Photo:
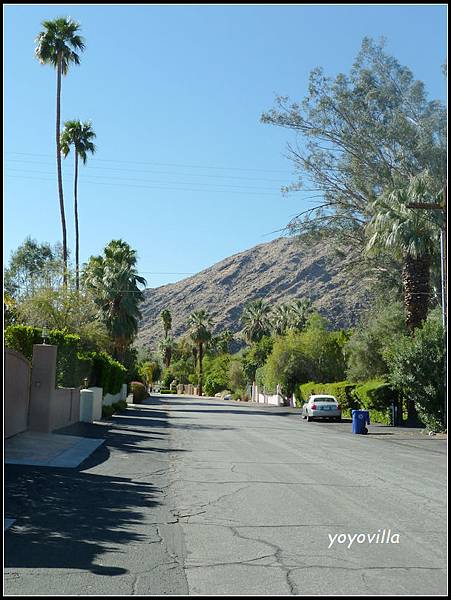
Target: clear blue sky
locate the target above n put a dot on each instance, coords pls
(184, 171)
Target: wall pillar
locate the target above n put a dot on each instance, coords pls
(42, 389)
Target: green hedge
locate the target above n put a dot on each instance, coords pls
(107, 373)
(108, 411)
(72, 365)
(167, 392)
(342, 390)
(376, 396)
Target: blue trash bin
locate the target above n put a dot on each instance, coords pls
(359, 420)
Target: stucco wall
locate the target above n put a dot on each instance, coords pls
(65, 407)
(17, 392)
(110, 399)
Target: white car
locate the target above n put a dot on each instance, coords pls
(321, 406)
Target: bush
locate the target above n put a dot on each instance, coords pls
(296, 358)
(72, 365)
(167, 378)
(256, 356)
(342, 390)
(417, 370)
(216, 372)
(107, 411)
(167, 392)
(237, 377)
(120, 405)
(139, 392)
(365, 349)
(107, 372)
(376, 396)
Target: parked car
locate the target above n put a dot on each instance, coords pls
(321, 406)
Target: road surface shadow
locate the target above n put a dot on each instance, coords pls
(67, 518)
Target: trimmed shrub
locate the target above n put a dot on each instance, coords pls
(139, 392)
(107, 372)
(342, 390)
(376, 396)
(72, 365)
(241, 395)
(120, 405)
(167, 392)
(107, 411)
(21, 338)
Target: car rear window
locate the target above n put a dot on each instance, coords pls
(324, 400)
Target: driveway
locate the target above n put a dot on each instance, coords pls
(203, 496)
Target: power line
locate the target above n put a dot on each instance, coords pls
(69, 166)
(245, 187)
(153, 187)
(135, 162)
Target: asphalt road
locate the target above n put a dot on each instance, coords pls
(194, 496)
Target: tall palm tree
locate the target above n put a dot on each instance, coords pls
(80, 135)
(256, 319)
(166, 348)
(167, 321)
(114, 283)
(199, 324)
(413, 237)
(57, 45)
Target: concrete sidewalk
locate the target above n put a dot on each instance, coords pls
(49, 449)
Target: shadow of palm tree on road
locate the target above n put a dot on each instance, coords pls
(67, 518)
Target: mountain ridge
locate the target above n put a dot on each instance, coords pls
(277, 271)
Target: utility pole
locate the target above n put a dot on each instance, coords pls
(444, 270)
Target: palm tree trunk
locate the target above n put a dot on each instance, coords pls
(416, 282)
(201, 356)
(58, 164)
(77, 249)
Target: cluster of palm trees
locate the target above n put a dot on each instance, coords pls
(260, 318)
(59, 45)
(200, 335)
(113, 281)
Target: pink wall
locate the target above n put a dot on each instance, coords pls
(65, 407)
(17, 392)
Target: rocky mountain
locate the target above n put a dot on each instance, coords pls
(277, 271)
